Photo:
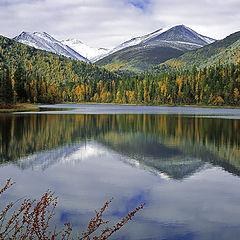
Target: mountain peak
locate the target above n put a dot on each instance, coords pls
(42, 34)
(23, 33)
(141, 53)
(182, 33)
(44, 41)
(181, 26)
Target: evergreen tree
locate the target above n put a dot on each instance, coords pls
(20, 79)
(6, 92)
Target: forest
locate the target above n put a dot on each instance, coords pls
(217, 85)
(36, 76)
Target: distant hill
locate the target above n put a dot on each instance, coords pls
(225, 51)
(55, 68)
(140, 54)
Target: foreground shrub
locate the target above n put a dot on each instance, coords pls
(31, 220)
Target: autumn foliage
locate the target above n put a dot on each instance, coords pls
(31, 219)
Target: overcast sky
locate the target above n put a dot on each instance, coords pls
(107, 23)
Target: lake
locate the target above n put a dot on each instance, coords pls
(184, 163)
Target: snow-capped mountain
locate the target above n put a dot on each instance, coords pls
(43, 41)
(138, 40)
(141, 53)
(85, 50)
(179, 37)
(129, 43)
(164, 36)
(180, 34)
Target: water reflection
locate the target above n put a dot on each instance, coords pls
(173, 163)
(203, 206)
(172, 144)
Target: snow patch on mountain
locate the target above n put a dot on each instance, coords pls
(132, 42)
(43, 41)
(85, 50)
(208, 40)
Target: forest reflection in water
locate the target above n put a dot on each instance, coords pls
(185, 168)
(177, 145)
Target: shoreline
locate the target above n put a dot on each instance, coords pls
(20, 107)
(162, 105)
(26, 107)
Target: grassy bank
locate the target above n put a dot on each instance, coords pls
(19, 107)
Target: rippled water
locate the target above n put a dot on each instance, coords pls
(184, 163)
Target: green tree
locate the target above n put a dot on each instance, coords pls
(19, 82)
(6, 92)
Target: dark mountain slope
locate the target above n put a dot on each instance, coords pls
(154, 49)
(224, 52)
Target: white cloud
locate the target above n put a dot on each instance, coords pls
(106, 23)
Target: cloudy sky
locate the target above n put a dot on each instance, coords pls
(107, 23)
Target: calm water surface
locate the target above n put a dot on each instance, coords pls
(184, 163)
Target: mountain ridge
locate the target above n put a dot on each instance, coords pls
(78, 50)
(44, 41)
(222, 51)
(141, 53)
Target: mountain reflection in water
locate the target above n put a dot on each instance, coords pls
(174, 145)
(185, 168)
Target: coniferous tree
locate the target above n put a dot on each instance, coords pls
(6, 92)
(20, 80)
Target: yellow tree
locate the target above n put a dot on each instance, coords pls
(218, 101)
(236, 95)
